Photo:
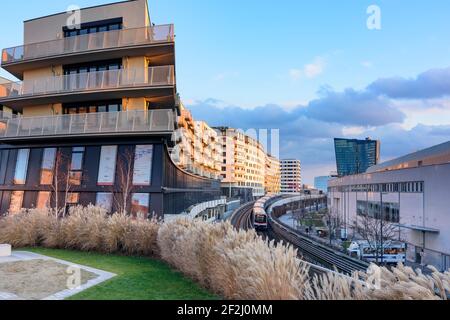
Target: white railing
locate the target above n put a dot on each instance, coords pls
(90, 123)
(90, 42)
(90, 81)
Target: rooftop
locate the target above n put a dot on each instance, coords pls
(438, 154)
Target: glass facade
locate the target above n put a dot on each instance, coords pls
(355, 156)
(105, 200)
(43, 200)
(76, 167)
(107, 166)
(48, 166)
(372, 209)
(20, 174)
(140, 204)
(15, 204)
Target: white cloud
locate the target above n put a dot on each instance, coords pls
(295, 74)
(310, 70)
(316, 68)
(367, 64)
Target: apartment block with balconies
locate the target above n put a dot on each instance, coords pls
(291, 176)
(100, 94)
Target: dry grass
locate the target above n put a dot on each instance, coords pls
(36, 279)
(85, 228)
(234, 264)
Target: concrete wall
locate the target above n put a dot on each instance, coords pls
(429, 209)
(134, 14)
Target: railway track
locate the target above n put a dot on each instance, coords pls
(242, 217)
(315, 252)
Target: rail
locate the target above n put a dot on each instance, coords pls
(315, 251)
(89, 123)
(90, 42)
(90, 81)
(242, 217)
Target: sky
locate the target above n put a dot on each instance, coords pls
(312, 69)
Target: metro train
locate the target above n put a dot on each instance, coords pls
(260, 219)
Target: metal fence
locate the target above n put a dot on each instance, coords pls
(89, 123)
(88, 42)
(90, 81)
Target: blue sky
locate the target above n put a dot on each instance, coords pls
(310, 68)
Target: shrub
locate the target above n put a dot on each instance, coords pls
(85, 228)
(234, 264)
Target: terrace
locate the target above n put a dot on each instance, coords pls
(138, 122)
(110, 44)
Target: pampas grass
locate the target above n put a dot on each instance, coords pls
(85, 229)
(234, 264)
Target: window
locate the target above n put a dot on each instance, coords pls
(20, 175)
(43, 200)
(105, 201)
(47, 166)
(140, 204)
(76, 166)
(107, 166)
(143, 165)
(73, 198)
(96, 27)
(93, 107)
(16, 202)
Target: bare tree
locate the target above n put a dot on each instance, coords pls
(63, 182)
(376, 231)
(333, 222)
(124, 181)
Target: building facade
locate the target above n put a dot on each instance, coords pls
(272, 175)
(413, 194)
(356, 156)
(243, 162)
(197, 147)
(97, 107)
(321, 183)
(291, 176)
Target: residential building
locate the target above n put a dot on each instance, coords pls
(243, 161)
(198, 149)
(96, 109)
(291, 176)
(272, 175)
(356, 156)
(413, 194)
(321, 183)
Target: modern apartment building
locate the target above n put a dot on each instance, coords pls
(356, 156)
(410, 193)
(97, 106)
(198, 149)
(272, 175)
(291, 176)
(243, 161)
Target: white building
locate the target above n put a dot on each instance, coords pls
(414, 192)
(291, 176)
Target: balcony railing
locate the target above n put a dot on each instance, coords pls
(139, 121)
(90, 81)
(90, 42)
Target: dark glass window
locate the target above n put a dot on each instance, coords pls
(140, 204)
(90, 28)
(20, 175)
(76, 166)
(93, 107)
(47, 166)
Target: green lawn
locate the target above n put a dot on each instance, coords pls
(137, 278)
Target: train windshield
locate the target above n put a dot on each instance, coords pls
(260, 219)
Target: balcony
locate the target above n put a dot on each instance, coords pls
(112, 84)
(139, 122)
(149, 41)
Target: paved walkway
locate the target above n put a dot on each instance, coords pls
(28, 256)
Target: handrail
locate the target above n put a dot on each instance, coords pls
(90, 42)
(90, 123)
(90, 81)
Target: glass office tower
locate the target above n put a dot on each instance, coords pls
(356, 156)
